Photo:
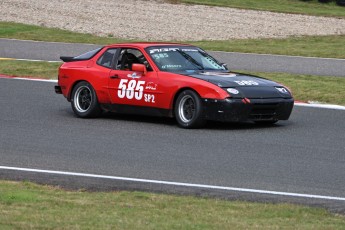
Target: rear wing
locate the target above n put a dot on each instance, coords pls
(85, 56)
(68, 59)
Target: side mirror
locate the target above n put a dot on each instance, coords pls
(139, 68)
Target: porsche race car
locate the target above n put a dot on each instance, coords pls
(168, 79)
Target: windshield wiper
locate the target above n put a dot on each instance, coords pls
(192, 60)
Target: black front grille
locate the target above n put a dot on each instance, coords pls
(264, 111)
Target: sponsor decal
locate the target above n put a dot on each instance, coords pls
(282, 90)
(162, 50)
(171, 66)
(151, 86)
(189, 50)
(233, 91)
(247, 83)
(133, 75)
(172, 49)
(219, 74)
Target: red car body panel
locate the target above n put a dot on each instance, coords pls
(167, 84)
(222, 95)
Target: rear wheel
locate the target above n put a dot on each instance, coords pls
(84, 101)
(188, 110)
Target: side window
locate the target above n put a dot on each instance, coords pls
(106, 59)
(128, 57)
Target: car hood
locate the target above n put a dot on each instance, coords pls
(245, 85)
(226, 80)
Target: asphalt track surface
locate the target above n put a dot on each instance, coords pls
(51, 51)
(303, 155)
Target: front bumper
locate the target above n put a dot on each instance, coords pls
(235, 110)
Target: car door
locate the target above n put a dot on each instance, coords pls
(128, 87)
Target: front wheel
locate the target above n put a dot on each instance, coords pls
(84, 100)
(188, 110)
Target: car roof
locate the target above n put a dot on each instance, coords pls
(146, 44)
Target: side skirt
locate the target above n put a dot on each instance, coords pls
(139, 110)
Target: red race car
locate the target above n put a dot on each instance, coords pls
(167, 79)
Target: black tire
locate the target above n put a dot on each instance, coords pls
(188, 110)
(341, 2)
(84, 100)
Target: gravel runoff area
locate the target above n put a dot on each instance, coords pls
(156, 20)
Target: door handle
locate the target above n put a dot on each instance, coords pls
(114, 76)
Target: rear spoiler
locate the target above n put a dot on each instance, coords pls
(69, 59)
(83, 57)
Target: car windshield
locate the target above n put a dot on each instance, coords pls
(183, 58)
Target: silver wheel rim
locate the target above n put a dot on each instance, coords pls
(186, 109)
(82, 99)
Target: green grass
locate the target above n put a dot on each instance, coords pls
(312, 7)
(24, 205)
(310, 46)
(29, 69)
(37, 33)
(314, 46)
(310, 88)
(304, 87)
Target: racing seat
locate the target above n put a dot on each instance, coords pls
(128, 59)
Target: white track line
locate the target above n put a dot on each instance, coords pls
(33, 79)
(28, 79)
(280, 55)
(320, 106)
(266, 192)
(30, 60)
(33, 60)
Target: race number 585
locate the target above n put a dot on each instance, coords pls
(131, 89)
